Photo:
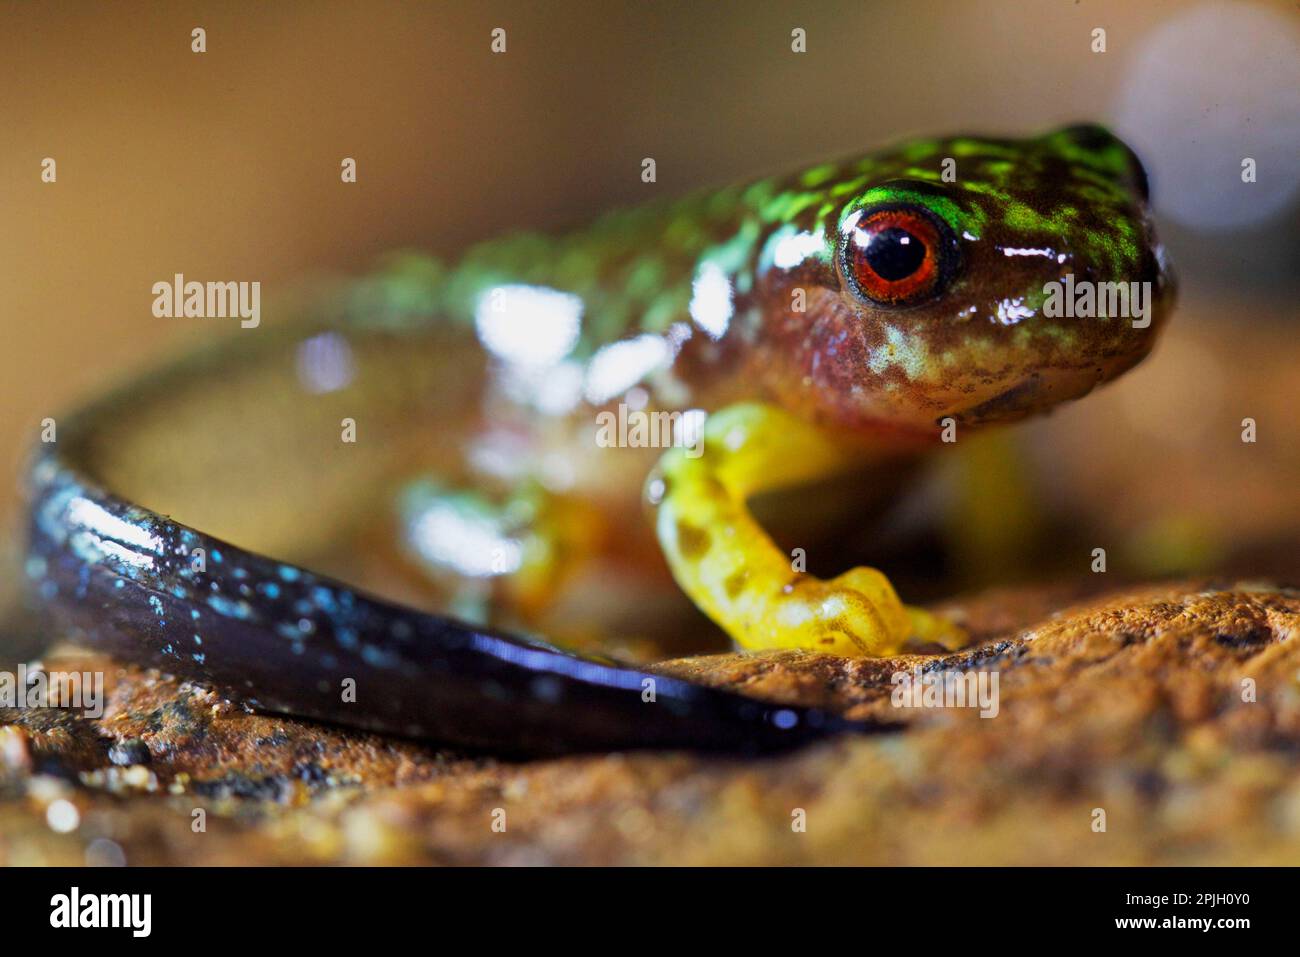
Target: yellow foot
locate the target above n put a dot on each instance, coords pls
(932, 629)
(856, 614)
(732, 570)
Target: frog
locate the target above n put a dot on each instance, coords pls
(790, 328)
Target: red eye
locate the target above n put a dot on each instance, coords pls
(894, 256)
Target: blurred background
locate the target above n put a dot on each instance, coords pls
(226, 164)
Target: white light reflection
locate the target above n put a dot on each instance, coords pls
(677, 335)
(1011, 311)
(528, 325)
(447, 536)
(122, 553)
(621, 365)
(103, 524)
(62, 816)
(792, 250)
(711, 305)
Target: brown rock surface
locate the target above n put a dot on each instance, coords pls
(1134, 702)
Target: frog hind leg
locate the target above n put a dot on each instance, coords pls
(487, 551)
(732, 570)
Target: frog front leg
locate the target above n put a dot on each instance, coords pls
(728, 565)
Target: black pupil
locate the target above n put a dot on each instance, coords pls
(895, 253)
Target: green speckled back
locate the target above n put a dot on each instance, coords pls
(746, 288)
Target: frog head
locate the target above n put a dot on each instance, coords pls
(975, 279)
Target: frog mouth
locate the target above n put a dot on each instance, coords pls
(1013, 403)
(1041, 391)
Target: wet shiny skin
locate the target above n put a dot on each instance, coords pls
(475, 393)
(749, 303)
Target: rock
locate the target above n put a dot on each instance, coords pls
(1167, 714)
(128, 752)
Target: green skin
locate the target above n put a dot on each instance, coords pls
(1074, 194)
(980, 350)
